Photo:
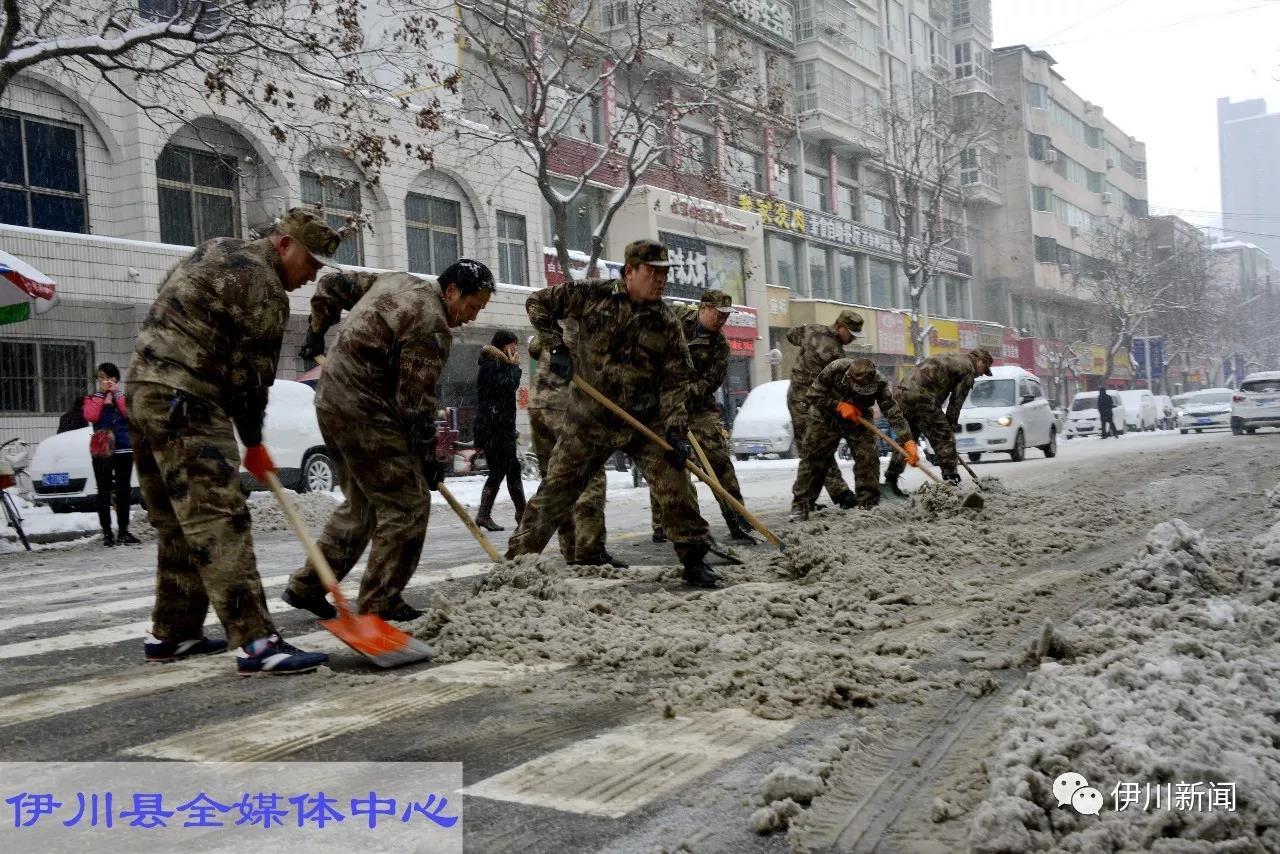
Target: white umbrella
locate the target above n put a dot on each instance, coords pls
(22, 288)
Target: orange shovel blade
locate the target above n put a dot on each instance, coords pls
(377, 640)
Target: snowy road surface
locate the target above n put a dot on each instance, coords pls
(897, 695)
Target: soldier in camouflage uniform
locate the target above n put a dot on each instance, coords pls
(820, 345)
(376, 404)
(920, 398)
(630, 348)
(845, 391)
(709, 352)
(203, 362)
(582, 533)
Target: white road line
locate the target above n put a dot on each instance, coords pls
(61, 578)
(620, 771)
(282, 732)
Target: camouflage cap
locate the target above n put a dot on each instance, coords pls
(649, 252)
(852, 321)
(718, 300)
(982, 354)
(862, 376)
(309, 228)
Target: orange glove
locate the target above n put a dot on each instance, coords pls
(848, 411)
(258, 462)
(913, 453)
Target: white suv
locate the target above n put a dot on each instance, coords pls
(1257, 403)
(1007, 412)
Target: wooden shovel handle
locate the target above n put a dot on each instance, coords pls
(709, 480)
(892, 444)
(471, 525)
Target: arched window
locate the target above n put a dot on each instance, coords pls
(199, 195)
(434, 232)
(339, 198)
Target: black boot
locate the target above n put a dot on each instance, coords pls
(699, 574)
(483, 519)
(515, 486)
(108, 538)
(847, 501)
(738, 529)
(659, 535)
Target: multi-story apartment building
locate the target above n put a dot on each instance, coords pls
(1067, 171)
(1248, 138)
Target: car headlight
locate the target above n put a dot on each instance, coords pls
(1181, 413)
(1004, 421)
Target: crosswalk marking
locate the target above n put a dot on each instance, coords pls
(282, 732)
(617, 772)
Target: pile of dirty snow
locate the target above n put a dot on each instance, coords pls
(1176, 680)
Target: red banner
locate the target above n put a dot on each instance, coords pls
(741, 329)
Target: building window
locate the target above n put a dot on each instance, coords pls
(881, 281)
(166, 10)
(978, 166)
(513, 255)
(581, 216)
(41, 180)
(43, 376)
(956, 293)
(743, 170)
(815, 192)
(198, 194)
(1038, 96)
(847, 267)
(847, 201)
(1042, 198)
(339, 199)
(819, 278)
(782, 185)
(1046, 250)
(875, 212)
(434, 228)
(972, 60)
(698, 152)
(614, 14)
(782, 259)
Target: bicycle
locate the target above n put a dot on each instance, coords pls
(13, 463)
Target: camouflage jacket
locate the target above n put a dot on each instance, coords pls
(819, 346)
(831, 388)
(939, 377)
(383, 371)
(336, 293)
(216, 327)
(547, 390)
(709, 352)
(632, 353)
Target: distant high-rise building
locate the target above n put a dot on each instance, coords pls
(1248, 139)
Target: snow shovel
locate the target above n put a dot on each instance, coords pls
(976, 482)
(709, 480)
(973, 499)
(716, 549)
(369, 635)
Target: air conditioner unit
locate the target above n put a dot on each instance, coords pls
(1111, 164)
(1106, 198)
(1051, 156)
(1075, 231)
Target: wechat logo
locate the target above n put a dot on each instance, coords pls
(1072, 789)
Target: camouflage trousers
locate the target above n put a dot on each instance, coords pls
(587, 444)
(705, 427)
(582, 533)
(822, 437)
(189, 473)
(925, 418)
(798, 406)
(385, 500)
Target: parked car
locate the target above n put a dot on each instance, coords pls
(1164, 408)
(1207, 409)
(1257, 403)
(1006, 412)
(62, 470)
(1084, 414)
(763, 425)
(1140, 410)
(1060, 418)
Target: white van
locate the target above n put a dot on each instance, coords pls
(1083, 420)
(1140, 409)
(1006, 412)
(763, 424)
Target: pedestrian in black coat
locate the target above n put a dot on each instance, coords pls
(1106, 406)
(495, 425)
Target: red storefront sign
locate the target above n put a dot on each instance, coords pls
(1009, 354)
(741, 330)
(891, 333)
(1027, 353)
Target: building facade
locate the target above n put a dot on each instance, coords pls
(1248, 138)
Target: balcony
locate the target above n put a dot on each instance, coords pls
(983, 194)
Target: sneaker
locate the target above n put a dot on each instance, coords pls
(108, 539)
(700, 575)
(127, 539)
(313, 602)
(162, 650)
(659, 535)
(276, 656)
(401, 613)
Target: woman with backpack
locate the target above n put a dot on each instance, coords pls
(112, 453)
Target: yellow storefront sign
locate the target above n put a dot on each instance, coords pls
(820, 311)
(944, 337)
